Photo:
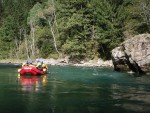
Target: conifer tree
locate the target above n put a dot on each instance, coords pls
(109, 18)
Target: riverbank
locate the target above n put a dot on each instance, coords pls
(65, 62)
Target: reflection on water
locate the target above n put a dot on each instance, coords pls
(135, 99)
(73, 90)
(33, 83)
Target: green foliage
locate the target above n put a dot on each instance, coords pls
(12, 24)
(46, 49)
(82, 28)
(43, 33)
(8, 33)
(139, 16)
(34, 14)
(44, 42)
(144, 26)
(7, 36)
(74, 48)
(75, 24)
(4, 50)
(110, 19)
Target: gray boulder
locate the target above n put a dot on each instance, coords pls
(133, 54)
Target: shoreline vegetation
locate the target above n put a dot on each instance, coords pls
(64, 62)
(82, 29)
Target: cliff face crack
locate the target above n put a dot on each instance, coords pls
(133, 54)
(133, 66)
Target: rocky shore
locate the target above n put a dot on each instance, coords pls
(90, 63)
(65, 62)
(133, 54)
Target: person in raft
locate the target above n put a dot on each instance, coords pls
(41, 66)
(27, 63)
(45, 67)
(30, 63)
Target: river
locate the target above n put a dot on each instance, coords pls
(67, 89)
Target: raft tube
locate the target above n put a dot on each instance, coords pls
(30, 70)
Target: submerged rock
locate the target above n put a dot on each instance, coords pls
(133, 54)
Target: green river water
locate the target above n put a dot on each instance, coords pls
(68, 89)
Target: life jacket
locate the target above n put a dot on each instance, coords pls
(39, 66)
(31, 65)
(24, 64)
(45, 67)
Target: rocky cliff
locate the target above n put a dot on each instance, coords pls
(133, 54)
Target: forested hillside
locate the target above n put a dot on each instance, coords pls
(81, 29)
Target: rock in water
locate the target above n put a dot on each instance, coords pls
(133, 54)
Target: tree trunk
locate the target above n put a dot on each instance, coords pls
(33, 39)
(16, 42)
(26, 44)
(54, 13)
(55, 44)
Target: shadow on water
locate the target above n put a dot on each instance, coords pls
(73, 90)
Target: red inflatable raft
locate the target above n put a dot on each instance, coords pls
(26, 70)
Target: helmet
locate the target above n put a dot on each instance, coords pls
(30, 61)
(26, 61)
(37, 60)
